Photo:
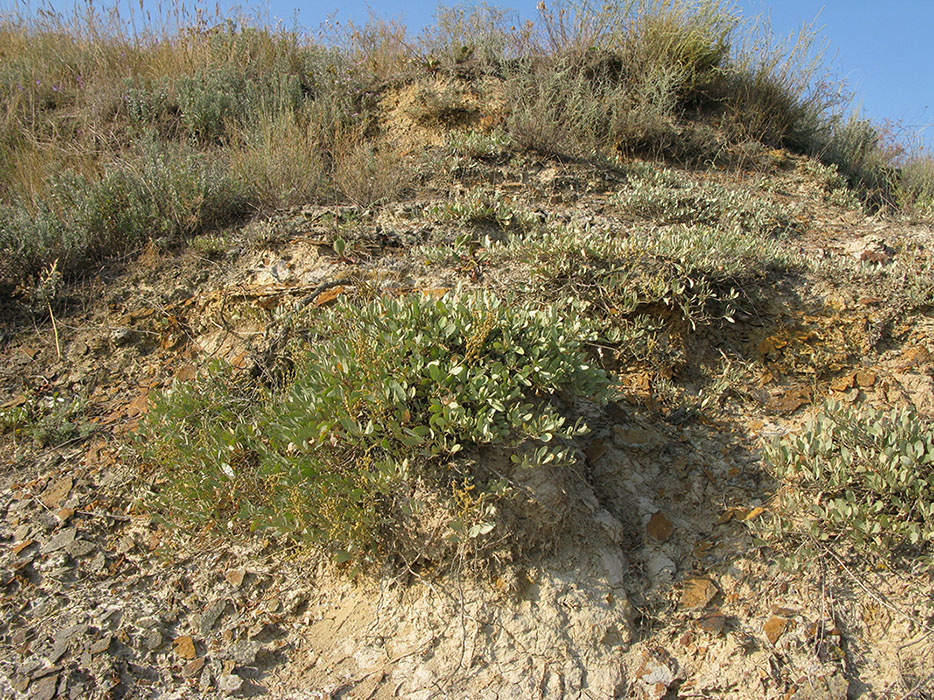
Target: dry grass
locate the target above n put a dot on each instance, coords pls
(917, 189)
(368, 173)
(780, 90)
(284, 158)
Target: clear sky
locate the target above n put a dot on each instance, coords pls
(883, 48)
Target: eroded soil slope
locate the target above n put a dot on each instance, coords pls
(659, 589)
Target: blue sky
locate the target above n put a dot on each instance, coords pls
(883, 48)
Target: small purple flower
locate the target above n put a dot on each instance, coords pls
(38, 82)
(19, 87)
(55, 88)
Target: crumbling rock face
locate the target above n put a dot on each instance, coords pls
(561, 633)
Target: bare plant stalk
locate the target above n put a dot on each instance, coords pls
(58, 345)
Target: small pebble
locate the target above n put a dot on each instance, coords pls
(230, 683)
(152, 639)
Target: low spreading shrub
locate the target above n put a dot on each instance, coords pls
(481, 145)
(479, 207)
(47, 421)
(371, 448)
(642, 286)
(859, 474)
(80, 218)
(659, 195)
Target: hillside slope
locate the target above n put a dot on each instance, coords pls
(230, 470)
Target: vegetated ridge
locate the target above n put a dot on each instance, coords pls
(587, 357)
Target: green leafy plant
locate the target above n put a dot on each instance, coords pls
(479, 144)
(47, 421)
(861, 474)
(661, 196)
(372, 448)
(211, 244)
(481, 206)
(642, 286)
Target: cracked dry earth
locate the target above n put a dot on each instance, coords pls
(659, 590)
